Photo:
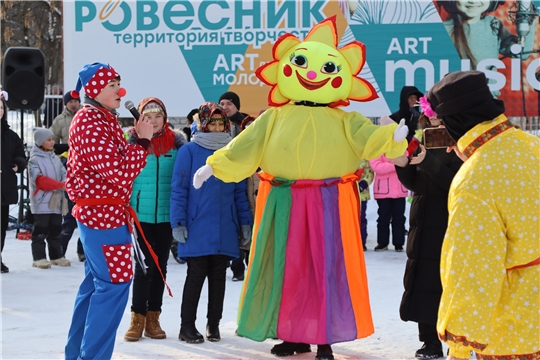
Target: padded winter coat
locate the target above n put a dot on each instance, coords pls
(212, 214)
(44, 163)
(386, 184)
(151, 195)
(60, 126)
(12, 154)
(404, 112)
(430, 181)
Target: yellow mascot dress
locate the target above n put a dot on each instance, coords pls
(306, 281)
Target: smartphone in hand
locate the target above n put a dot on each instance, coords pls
(413, 145)
(437, 138)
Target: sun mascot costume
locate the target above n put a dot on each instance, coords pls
(306, 282)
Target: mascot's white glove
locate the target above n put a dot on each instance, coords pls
(202, 175)
(401, 131)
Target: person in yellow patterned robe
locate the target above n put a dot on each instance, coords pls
(490, 265)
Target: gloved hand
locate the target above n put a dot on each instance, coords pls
(179, 234)
(401, 131)
(246, 234)
(202, 175)
(362, 185)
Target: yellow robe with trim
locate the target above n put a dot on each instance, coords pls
(494, 225)
(300, 142)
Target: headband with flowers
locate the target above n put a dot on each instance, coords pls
(426, 107)
(4, 95)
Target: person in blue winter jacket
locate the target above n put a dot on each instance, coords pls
(209, 223)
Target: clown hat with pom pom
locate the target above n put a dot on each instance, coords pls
(94, 77)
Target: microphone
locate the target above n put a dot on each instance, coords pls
(523, 19)
(129, 105)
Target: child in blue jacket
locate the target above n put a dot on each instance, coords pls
(209, 223)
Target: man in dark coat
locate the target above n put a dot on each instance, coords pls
(13, 161)
(230, 102)
(408, 109)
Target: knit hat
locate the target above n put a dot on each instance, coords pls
(206, 112)
(94, 77)
(68, 98)
(463, 100)
(153, 105)
(191, 114)
(40, 135)
(232, 97)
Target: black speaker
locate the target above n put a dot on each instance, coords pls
(23, 77)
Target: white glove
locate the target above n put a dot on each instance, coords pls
(180, 234)
(202, 175)
(401, 131)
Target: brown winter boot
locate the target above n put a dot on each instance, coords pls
(152, 328)
(136, 327)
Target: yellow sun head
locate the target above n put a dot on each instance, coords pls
(315, 70)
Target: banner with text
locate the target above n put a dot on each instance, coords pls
(188, 52)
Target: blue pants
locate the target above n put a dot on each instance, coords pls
(102, 298)
(391, 211)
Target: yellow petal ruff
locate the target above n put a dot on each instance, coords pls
(283, 44)
(275, 98)
(362, 90)
(324, 32)
(267, 73)
(354, 54)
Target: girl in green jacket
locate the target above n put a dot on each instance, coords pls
(151, 200)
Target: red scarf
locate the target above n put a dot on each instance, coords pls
(162, 141)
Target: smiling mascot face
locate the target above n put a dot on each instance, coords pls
(315, 70)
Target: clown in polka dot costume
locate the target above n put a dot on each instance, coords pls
(100, 172)
(490, 261)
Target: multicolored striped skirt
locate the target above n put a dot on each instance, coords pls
(306, 281)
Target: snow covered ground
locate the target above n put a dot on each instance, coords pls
(37, 307)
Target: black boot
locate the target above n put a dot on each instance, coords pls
(189, 334)
(288, 348)
(212, 332)
(430, 350)
(324, 352)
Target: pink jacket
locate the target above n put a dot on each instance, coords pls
(386, 184)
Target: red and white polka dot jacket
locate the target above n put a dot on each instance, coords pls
(102, 165)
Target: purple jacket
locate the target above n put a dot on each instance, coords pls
(386, 184)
